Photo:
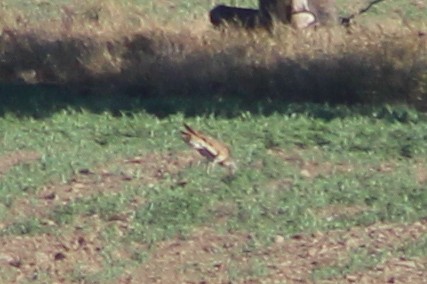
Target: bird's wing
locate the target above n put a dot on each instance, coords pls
(207, 146)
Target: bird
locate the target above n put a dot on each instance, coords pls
(214, 150)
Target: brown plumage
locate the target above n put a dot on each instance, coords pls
(215, 151)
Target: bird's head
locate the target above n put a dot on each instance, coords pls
(231, 165)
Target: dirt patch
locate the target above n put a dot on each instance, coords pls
(110, 179)
(208, 257)
(77, 252)
(310, 169)
(61, 258)
(205, 256)
(395, 270)
(421, 174)
(10, 160)
(336, 211)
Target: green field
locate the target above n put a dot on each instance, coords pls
(328, 130)
(128, 184)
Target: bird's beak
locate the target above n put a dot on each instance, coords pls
(232, 166)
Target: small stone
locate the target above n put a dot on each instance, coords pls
(351, 278)
(279, 239)
(305, 173)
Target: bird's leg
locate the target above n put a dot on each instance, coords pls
(211, 166)
(198, 163)
(231, 170)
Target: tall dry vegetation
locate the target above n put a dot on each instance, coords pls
(110, 44)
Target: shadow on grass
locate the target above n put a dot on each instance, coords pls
(41, 101)
(164, 75)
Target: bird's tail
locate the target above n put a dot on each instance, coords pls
(188, 133)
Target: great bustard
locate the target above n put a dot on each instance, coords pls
(214, 150)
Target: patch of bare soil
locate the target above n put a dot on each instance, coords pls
(421, 173)
(335, 211)
(53, 258)
(394, 270)
(208, 257)
(77, 251)
(111, 178)
(205, 256)
(10, 160)
(310, 169)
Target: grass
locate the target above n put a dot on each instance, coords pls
(249, 202)
(171, 65)
(364, 259)
(359, 260)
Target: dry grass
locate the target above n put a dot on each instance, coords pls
(97, 42)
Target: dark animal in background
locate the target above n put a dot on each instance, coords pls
(298, 13)
(302, 13)
(246, 18)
